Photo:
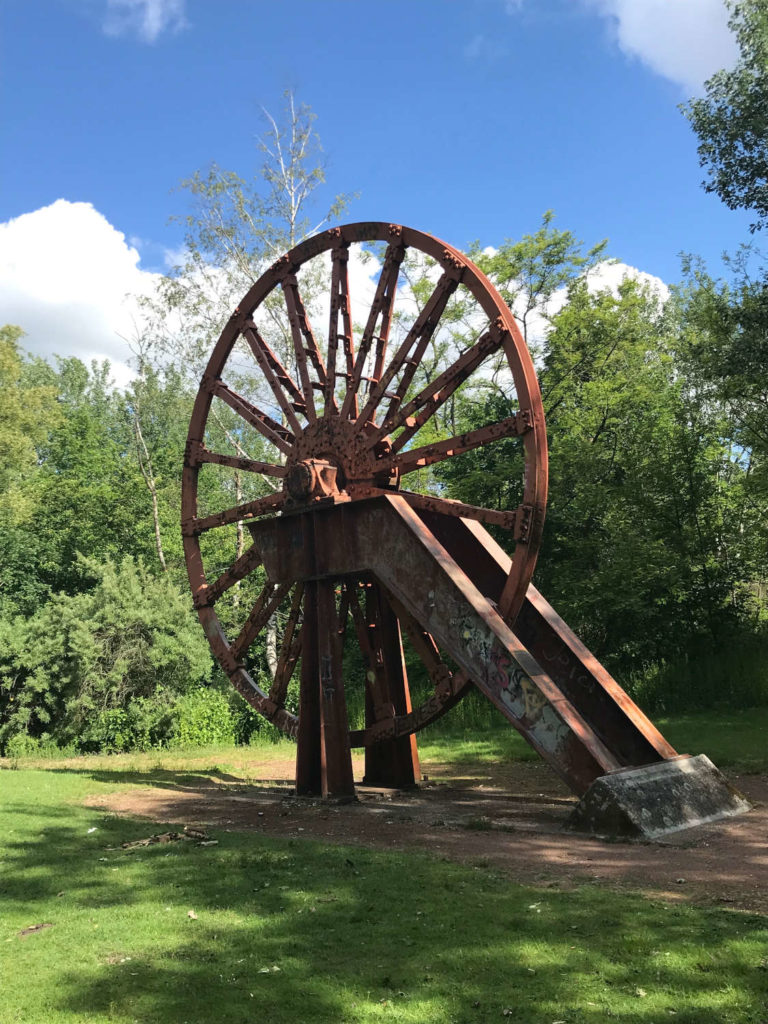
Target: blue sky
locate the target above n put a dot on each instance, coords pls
(466, 118)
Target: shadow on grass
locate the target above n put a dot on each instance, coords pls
(293, 931)
(161, 778)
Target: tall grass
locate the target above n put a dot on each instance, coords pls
(731, 675)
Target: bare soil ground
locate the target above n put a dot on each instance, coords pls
(506, 816)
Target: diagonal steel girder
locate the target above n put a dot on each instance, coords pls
(386, 538)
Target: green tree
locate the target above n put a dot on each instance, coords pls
(731, 120)
(28, 411)
(531, 271)
(153, 415)
(639, 535)
(638, 509)
(235, 228)
(67, 671)
(726, 359)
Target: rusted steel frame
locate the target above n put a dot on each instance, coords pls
(202, 454)
(266, 426)
(449, 686)
(289, 648)
(392, 543)
(266, 604)
(426, 455)
(250, 510)
(460, 510)
(335, 754)
(308, 761)
(499, 665)
(382, 338)
(438, 391)
(536, 476)
(279, 371)
(257, 346)
(381, 309)
(239, 569)
(394, 762)
(489, 301)
(423, 643)
(614, 716)
(339, 308)
(408, 356)
(446, 286)
(516, 521)
(304, 343)
(521, 571)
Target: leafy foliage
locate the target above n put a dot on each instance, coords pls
(96, 666)
(645, 549)
(203, 717)
(731, 121)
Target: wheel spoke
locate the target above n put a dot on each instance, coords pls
(381, 310)
(409, 355)
(261, 613)
(266, 426)
(304, 344)
(276, 375)
(250, 510)
(203, 454)
(290, 648)
(428, 454)
(239, 569)
(339, 308)
(438, 391)
(460, 510)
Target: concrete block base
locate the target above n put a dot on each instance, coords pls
(649, 802)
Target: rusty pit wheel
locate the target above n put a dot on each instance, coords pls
(294, 421)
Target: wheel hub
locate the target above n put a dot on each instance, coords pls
(330, 460)
(313, 480)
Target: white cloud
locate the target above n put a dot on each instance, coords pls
(69, 279)
(608, 276)
(148, 19)
(685, 41)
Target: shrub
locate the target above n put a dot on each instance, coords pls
(203, 717)
(102, 668)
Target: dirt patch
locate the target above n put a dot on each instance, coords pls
(506, 816)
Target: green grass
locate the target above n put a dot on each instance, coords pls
(732, 739)
(736, 740)
(226, 763)
(292, 931)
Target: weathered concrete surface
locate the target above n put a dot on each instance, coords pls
(652, 801)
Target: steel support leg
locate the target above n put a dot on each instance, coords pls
(392, 762)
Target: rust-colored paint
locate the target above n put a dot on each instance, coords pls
(341, 538)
